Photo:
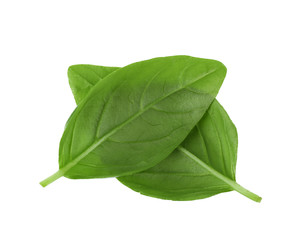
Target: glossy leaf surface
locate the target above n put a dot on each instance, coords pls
(145, 109)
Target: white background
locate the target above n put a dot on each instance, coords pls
(40, 39)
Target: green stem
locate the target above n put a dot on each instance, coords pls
(223, 178)
(65, 168)
(52, 178)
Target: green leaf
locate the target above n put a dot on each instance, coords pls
(145, 109)
(214, 140)
(83, 77)
(203, 166)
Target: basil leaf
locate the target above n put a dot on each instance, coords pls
(179, 177)
(145, 109)
(203, 166)
(83, 77)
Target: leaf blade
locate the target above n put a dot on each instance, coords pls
(82, 77)
(202, 71)
(188, 160)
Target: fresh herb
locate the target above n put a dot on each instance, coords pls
(136, 116)
(202, 166)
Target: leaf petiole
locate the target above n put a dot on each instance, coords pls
(52, 178)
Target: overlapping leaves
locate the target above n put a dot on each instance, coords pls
(153, 125)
